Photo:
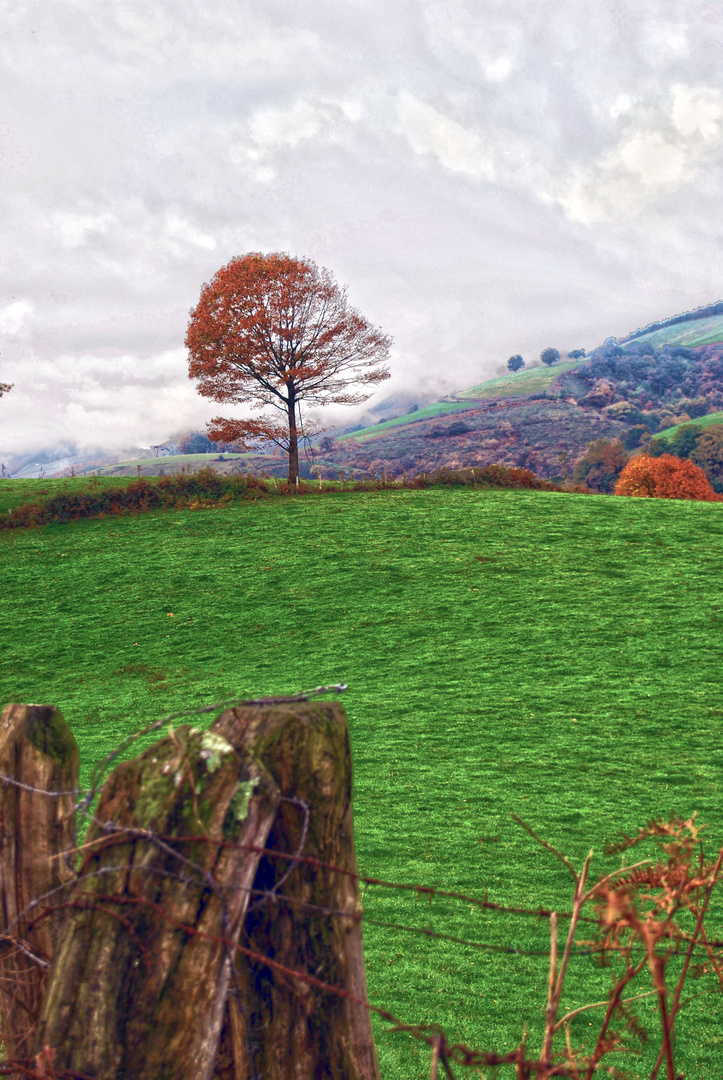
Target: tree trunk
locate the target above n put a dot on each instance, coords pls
(140, 979)
(37, 749)
(293, 440)
(292, 1029)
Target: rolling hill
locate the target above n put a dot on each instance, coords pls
(543, 418)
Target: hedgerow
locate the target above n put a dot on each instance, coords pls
(207, 488)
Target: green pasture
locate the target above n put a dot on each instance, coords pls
(518, 383)
(439, 408)
(707, 331)
(699, 422)
(551, 655)
(166, 460)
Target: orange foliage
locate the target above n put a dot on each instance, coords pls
(278, 333)
(664, 477)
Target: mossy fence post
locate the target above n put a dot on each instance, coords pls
(157, 969)
(310, 922)
(37, 750)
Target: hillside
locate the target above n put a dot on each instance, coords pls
(543, 418)
(517, 384)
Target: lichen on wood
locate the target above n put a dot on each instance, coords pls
(139, 983)
(291, 1029)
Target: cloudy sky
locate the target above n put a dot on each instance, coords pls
(486, 176)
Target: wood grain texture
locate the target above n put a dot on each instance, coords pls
(139, 984)
(37, 749)
(293, 1030)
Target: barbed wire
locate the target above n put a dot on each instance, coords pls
(189, 870)
(155, 725)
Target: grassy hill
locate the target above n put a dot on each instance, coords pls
(518, 383)
(541, 418)
(552, 655)
(699, 422)
(706, 331)
(429, 412)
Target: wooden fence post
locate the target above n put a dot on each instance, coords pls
(139, 983)
(292, 1029)
(36, 749)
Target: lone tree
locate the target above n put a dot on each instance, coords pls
(550, 356)
(515, 362)
(276, 332)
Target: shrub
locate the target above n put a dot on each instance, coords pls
(664, 477)
(601, 465)
(633, 437)
(708, 452)
(500, 476)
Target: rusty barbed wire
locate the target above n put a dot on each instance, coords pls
(444, 1052)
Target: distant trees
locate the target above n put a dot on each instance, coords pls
(665, 477)
(704, 446)
(515, 362)
(196, 442)
(275, 332)
(576, 354)
(601, 465)
(708, 453)
(633, 436)
(550, 356)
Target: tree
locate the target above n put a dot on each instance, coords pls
(664, 477)
(601, 465)
(515, 362)
(196, 442)
(550, 356)
(275, 332)
(576, 354)
(5, 387)
(708, 452)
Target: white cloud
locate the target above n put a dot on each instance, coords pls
(697, 111)
(144, 145)
(271, 128)
(74, 229)
(654, 159)
(621, 106)
(180, 228)
(431, 132)
(14, 317)
(648, 163)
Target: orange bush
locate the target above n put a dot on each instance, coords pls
(664, 477)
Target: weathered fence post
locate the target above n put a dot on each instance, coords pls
(38, 750)
(310, 919)
(139, 983)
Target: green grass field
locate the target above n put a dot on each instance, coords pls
(552, 655)
(439, 408)
(707, 331)
(518, 383)
(699, 422)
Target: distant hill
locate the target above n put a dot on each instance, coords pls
(707, 328)
(700, 422)
(543, 418)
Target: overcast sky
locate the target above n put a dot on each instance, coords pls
(486, 176)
